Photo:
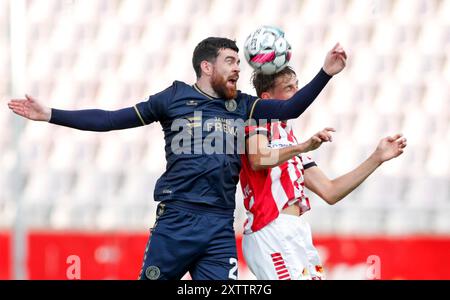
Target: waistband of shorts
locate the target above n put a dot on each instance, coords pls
(200, 208)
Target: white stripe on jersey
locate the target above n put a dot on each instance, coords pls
(293, 170)
(278, 193)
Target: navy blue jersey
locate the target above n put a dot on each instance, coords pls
(202, 135)
(195, 126)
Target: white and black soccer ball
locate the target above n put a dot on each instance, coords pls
(267, 50)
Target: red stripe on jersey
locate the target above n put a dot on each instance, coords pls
(279, 263)
(280, 268)
(286, 181)
(283, 271)
(275, 131)
(284, 277)
(277, 259)
(291, 136)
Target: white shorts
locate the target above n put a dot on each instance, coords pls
(283, 250)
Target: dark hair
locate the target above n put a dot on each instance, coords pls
(208, 50)
(264, 83)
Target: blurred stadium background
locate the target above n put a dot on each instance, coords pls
(65, 192)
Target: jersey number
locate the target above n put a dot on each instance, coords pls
(232, 274)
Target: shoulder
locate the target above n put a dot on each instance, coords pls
(171, 92)
(244, 96)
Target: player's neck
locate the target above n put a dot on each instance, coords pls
(205, 86)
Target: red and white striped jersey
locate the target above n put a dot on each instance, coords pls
(267, 192)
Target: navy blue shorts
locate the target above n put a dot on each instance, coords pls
(192, 238)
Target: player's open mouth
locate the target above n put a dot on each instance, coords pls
(233, 81)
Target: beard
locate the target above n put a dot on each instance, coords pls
(220, 86)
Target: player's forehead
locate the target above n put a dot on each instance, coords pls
(286, 80)
(225, 53)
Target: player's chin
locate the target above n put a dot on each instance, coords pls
(231, 90)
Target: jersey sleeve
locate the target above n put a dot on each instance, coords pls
(307, 161)
(293, 107)
(251, 104)
(156, 107)
(251, 130)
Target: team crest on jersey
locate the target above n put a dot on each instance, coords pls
(152, 272)
(231, 105)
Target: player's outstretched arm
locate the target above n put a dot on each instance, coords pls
(261, 157)
(292, 108)
(30, 108)
(333, 191)
(90, 119)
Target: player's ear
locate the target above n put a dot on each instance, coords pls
(266, 95)
(206, 67)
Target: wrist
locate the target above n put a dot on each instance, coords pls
(327, 73)
(301, 148)
(47, 114)
(376, 158)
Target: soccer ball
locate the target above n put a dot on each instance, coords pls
(267, 50)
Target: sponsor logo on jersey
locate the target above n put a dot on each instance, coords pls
(192, 103)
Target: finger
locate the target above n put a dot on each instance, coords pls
(397, 136)
(13, 105)
(342, 60)
(401, 141)
(19, 112)
(336, 46)
(394, 138)
(342, 57)
(29, 97)
(323, 136)
(330, 129)
(326, 132)
(17, 101)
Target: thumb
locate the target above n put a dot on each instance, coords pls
(29, 98)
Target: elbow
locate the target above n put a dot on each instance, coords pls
(256, 165)
(330, 198)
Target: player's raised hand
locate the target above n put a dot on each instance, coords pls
(390, 147)
(30, 108)
(317, 139)
(335, 60)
